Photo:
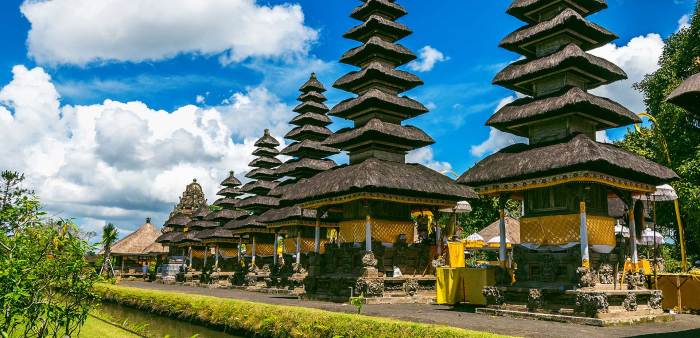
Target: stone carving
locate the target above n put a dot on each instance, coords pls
(375, 288)
(251, 280)
(591, 304)
(266, 269)
(535, 300)
(368, 260)
(606, 274)
(586, 278)
(298, 268)
(493, 296)
(550, 268)
(630, 302)
(635, 281)
(655, 300)
(411, 287)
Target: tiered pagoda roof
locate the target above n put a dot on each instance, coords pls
(687, 95)
(227, 202)
(195, 226)
(559, 116)
(192, 199)
(378, 138)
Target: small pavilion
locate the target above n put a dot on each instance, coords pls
(138, 249)
(173, 230)
(687, 95)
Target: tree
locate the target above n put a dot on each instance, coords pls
(45, 280)
(674, 140)
(109, 236)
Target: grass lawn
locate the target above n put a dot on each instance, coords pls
(95, 328)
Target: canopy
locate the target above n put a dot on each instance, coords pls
(461, 208)
(663, 193)
(620, 229)
(474, 241)
(649, 237)
(495, 242)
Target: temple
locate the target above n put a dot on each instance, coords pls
(174, 228)
(687, 95)
(565, 264)
(304, 233)
(138, 249)
(382, 252)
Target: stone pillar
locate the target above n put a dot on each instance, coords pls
(184, 257)
(317, 233)
(503, 248)
(299, 247)
(206, 253)
(438, 240)
(122, 272)
(190, 251)
(368, 234)
(275, 246)
(216, 257)
(253, 251)
(633, 238)
(585, 255)
(240, 249)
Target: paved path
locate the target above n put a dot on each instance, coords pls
(684, 326)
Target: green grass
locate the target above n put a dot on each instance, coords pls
(95, 328)
(273, 320)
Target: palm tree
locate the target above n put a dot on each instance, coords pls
(109, 236)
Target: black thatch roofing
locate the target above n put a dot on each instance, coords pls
(258, 202)
(226, 215)
(251, 221)
(574, 100)
(374, 175)
(376, 48)
(216, 233)
(311, 118)
(376, 25)
(231, 180)
(266, 152)
(287, 213)
(202, 224)
(312, 96)
(259, 187)
(299, 167)
(378, 74)
(308, 132)
(264, 162)
(521, 8)
(589, 34)
(177, 221)
(263, 174)
(202, 212)
(377, 130)
(313, 84)
(517, 74)
(375, 99)
(522, 161)
(386, 8)
(308, 148)
(230, 192)
(687, 95)
(183, 238)
(227, 202)
(267, 141)
(311, 107)
(167, 237)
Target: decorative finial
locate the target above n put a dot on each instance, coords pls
(313, 75)
(148, 220)
(232, 173)
(267, 131)
(194, 180)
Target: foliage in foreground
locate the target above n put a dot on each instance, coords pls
(272, 320)
(45, 281)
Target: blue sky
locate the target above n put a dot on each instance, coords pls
(131, 79)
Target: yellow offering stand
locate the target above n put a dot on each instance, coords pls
(463, 285)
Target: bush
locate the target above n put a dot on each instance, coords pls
(271, 320)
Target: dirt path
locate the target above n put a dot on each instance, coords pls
(684, 326)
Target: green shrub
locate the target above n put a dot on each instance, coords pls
(272, 320)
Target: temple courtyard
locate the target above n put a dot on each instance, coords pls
(462, 317)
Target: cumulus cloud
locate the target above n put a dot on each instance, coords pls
(497, 139)
(123, 162)
(426, 157)
(148, 30)
(638, 58)
(428, 57)
(683, 22)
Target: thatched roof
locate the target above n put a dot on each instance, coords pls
(167, 237)
(494, 230)
(521, 8)
(264, 162)
(522, 161)
(248, 222)
(517, 75)
(202, 212)
(308, 132)
(137, 242)
(378, 74)
(215, 233)
(286, 213)
(230, 192)
(202, 224)
(687, 95)
(377, 130)
(184, 238)
(312, 96)
(376, 25)
(375, 48)
(374, 175)
(573, 100)
(313, 84)
(262, 174)
(231, 180)
(374, 100)
(311, 107)
(266, 152)
(591, 35)
(258, 202)
(267, 141)
(177, 221)
(226, 215)
(227, 202)
(259, 187)
(298, 166)
(311, 118)
(386, 8)
(308, 148)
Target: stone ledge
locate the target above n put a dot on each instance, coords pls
(629, 320)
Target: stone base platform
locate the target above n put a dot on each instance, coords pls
(419, 298)
(607, 321)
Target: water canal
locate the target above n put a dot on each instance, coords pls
(155, 326)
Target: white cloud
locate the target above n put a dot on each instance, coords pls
(428, 57)
(148, 30)
(497, 139)
(683, 22)
(123, 162)
(426, 157)
(638, 58)
(200, 99)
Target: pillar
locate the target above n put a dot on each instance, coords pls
(503, 247)
(317, 233)
(299, 247)
(253, 251)
(274, 254)
(184, 257)
(240, 249)
(216, 257)
(206, 254)
(585, 255)
(438, 240)
(190, 251)
(122, 258)
(368, 234)
(633, 238)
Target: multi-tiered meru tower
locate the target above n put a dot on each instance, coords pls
(563, 175)
(304, 232)
(173, 229)
(378, 190)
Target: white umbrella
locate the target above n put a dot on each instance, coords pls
(620, 229)
(496, 242)
(649, 237)
(461, 208)
(475, 241)
(663, 193)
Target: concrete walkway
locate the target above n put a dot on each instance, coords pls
(684, 326)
